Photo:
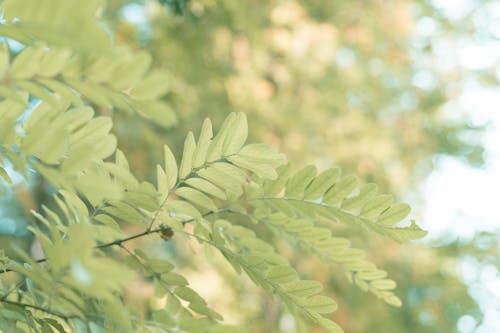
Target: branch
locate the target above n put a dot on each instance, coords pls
(119, 242)
(6, 270)
(148, 231)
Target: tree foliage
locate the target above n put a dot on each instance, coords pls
(223, 192)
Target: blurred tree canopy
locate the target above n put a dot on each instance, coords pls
(344, 83)
(344, 71)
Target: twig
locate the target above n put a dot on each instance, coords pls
(120, 241)
(35, 307)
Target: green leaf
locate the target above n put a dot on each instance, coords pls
(320, 304)
(174, 279)
(125, 213)
(107, 220)
(340, 190)
(4, 58)
(332, 244)
(100, 70)
(262, 153)
(384, 284)
(46, 328)
(236, 135)
(207, 187)
(153, 86)
(276, 186)
(196, 197)
(5, 175)
(159, 266)
(175, 207)
(164, 318)
(302, 288)
(96, 93)
(187, 156)
(189, 295)
(161, 178)
(359, 266)
(329, 325)
(21, 97)
(170, 167)
(53, 61)
(158, 111)
(62, 89)
(403, 234)
(372, 274)
(121, 160)
(54, 323)
(173, 304)
(393, 300)
(38, 91)
(200, 153)
(130, 69)
(264, 171)
(349, 255)
(297, 184)
(321, 184)
(26, 63)
(225, 176)
(394, 214)
(281, 274)
(144, 196)
(365, 193)
(75, 202)
(376, 205)
(91, 184)
(215, 150)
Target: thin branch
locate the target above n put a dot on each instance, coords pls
(39, 308)
(152, 231)
(6, 270)
(123, 240)
(119, 242)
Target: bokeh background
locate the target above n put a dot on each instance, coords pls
(402, 93)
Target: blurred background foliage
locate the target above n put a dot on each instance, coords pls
(350, 83)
